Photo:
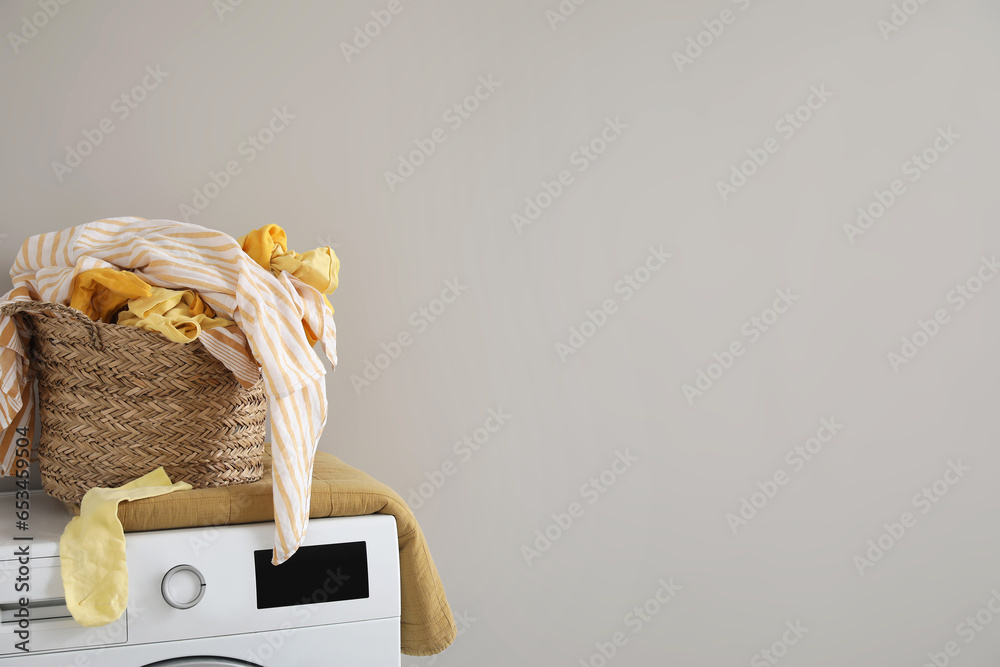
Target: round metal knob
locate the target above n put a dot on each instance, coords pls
(183, 586)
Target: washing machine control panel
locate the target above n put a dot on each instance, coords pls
(199, 582)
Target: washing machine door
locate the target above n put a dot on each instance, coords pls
(202, 662)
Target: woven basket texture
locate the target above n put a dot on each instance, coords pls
(117, 402)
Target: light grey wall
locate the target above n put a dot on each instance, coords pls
(683, 127)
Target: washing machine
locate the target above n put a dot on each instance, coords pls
(207, 597)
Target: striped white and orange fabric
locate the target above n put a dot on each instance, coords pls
(268, 338)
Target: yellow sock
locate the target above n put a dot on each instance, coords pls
(92, 550)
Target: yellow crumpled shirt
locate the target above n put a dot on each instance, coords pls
(261, 243)
(318, 268)
(102, 293)
(180, 315)
(268, 246)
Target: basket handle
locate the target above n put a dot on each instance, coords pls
(13, 307)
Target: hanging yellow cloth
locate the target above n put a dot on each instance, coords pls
(102, 293)
(178, 315)
(92, 550)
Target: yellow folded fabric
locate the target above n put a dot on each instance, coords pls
(180, 315)
(92, 550)
(101, 293)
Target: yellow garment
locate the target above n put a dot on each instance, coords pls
(268, 246)
(178, 315)
(318, 268)
(101, 293)
(261, 243)
(92, 550)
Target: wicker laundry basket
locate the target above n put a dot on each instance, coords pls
(117, 402)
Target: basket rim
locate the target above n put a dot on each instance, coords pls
(111, 330)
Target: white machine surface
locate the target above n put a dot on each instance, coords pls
(208, 597)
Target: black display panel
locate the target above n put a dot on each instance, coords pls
(313, 575)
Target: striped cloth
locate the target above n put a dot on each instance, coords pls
(268, 311)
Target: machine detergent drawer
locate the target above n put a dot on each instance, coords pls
(45, 622)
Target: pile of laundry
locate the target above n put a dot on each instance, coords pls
(255, 304)
(121, 296)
